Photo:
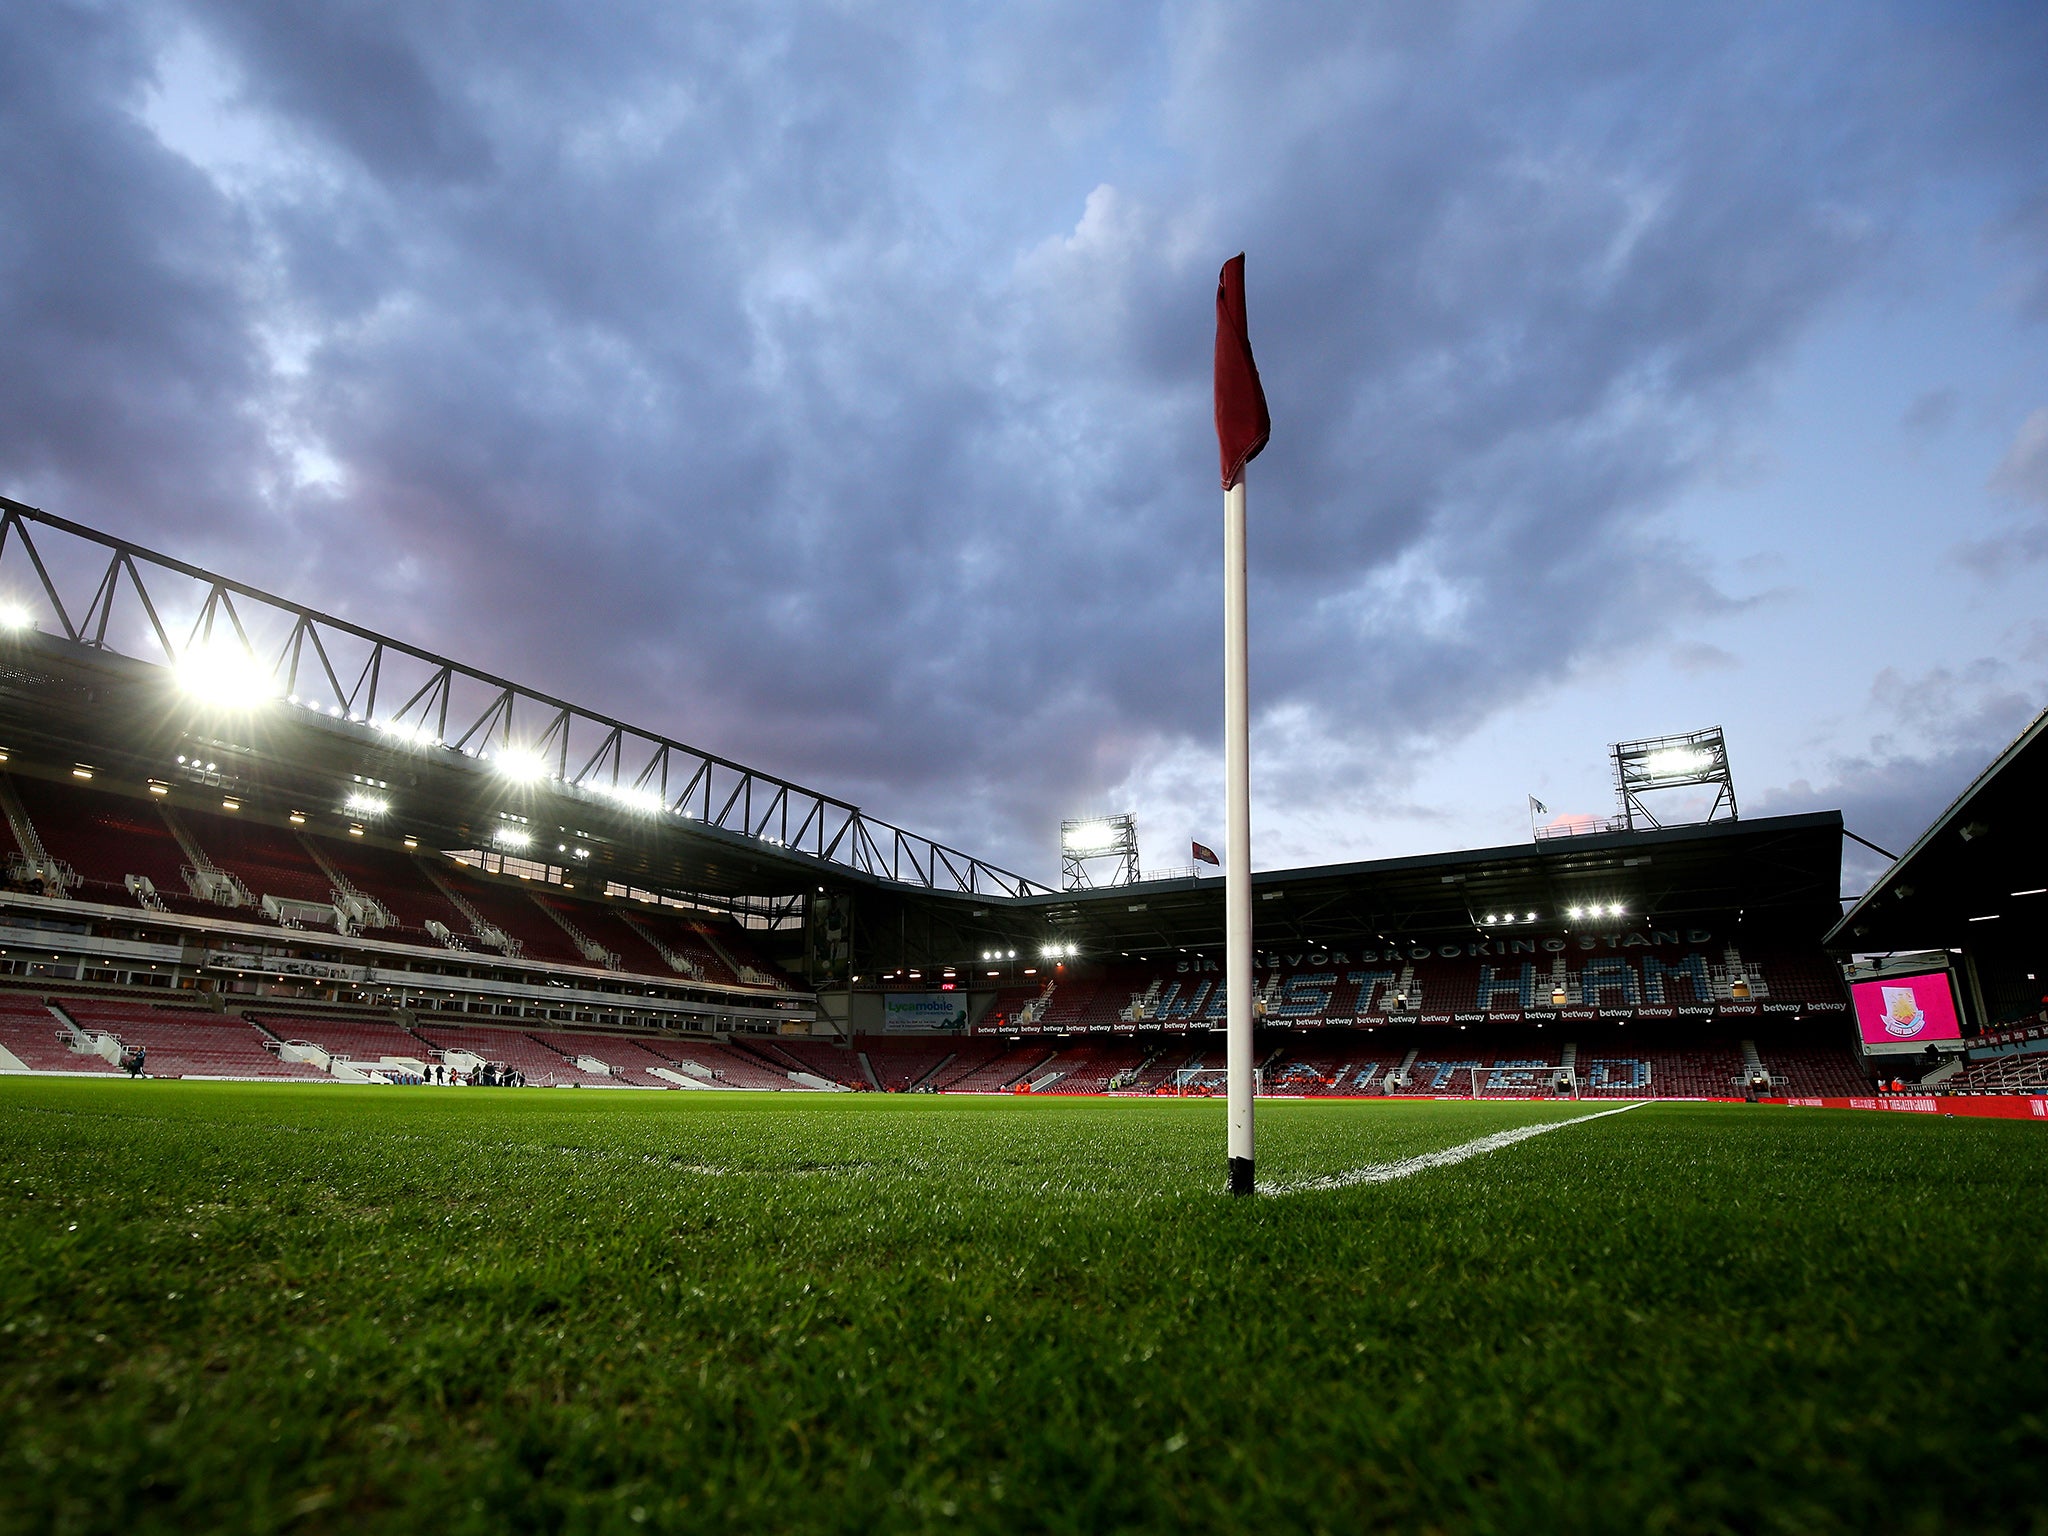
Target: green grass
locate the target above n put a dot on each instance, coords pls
(328, 1309)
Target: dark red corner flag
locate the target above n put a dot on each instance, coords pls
(1242, 425)
(1207, 856)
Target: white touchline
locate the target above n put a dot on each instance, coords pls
(1384, 1173)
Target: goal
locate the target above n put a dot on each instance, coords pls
(1210, 1082)
(1522, 1080)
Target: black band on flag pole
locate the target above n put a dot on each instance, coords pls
(1240, 1175)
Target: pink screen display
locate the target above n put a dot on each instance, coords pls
(1902, 1008)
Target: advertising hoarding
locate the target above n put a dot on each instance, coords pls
(923, 1013)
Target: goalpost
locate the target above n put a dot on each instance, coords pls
(1516, 1080)
(1210, 1082)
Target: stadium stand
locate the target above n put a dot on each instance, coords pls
(822, 1058)
(106, 839)
(1338, 986)
(186, 1042)
(1088, 1068)
(352, 1039)
(1448, 1072)
(901, 1065)
(542, 1066)
(1074, 1005)
(1627, 1071)
(1336, 1069)
(628, 948)
(727, 1064)
(514, 915)
(1008, 1003)
(38, 1039)
(2003, 1074)
(1808, 1071)
(987, 1066)
(267, 861)
(396, 883)
(1160, 1011)
(1156, 1066)
(627, 1058)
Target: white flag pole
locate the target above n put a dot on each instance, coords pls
(1237, 884)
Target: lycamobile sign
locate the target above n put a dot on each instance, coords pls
(920, 1013)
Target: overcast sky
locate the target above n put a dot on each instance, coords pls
(828, 387)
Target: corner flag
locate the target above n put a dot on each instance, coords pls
(1242, 423)
(1242, 427)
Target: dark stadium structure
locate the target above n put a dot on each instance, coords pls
(246, 838)
(1970, 895)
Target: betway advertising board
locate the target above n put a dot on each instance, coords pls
(923, 1013)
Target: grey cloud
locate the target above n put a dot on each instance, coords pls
(1700, 656)
(2021, 476)
(1944, 727)
(1930, 413)
(830, 387)
(124, 306)
(352, 69)
(2023, 472)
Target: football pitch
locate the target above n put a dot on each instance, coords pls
(252, 1308)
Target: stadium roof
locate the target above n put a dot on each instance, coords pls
(148, 665)
(323, 717)
(1785, 867)
(1978, 867)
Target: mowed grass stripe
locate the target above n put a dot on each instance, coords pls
(255, 1308)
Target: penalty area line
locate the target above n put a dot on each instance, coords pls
(1386, 1173)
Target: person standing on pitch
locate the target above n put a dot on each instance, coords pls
(1242, 427)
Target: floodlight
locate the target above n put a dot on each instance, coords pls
(16, 615)
(1614, 909)
(360, 804)
(522, 765)
(1571, 911)
(1087, 837)
(514, 837)
(646, 801)
(224, 675)
(417, 735)
(1673, 762)
(1530, 918)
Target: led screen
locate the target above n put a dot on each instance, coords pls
(1899, 1009)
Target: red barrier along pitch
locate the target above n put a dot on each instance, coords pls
(1988, 1106)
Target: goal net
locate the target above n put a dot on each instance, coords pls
(1210, 1082)
(1522, 1080)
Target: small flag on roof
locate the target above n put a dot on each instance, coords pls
(1207, 855)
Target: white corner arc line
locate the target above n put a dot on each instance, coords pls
(1386, 1173)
